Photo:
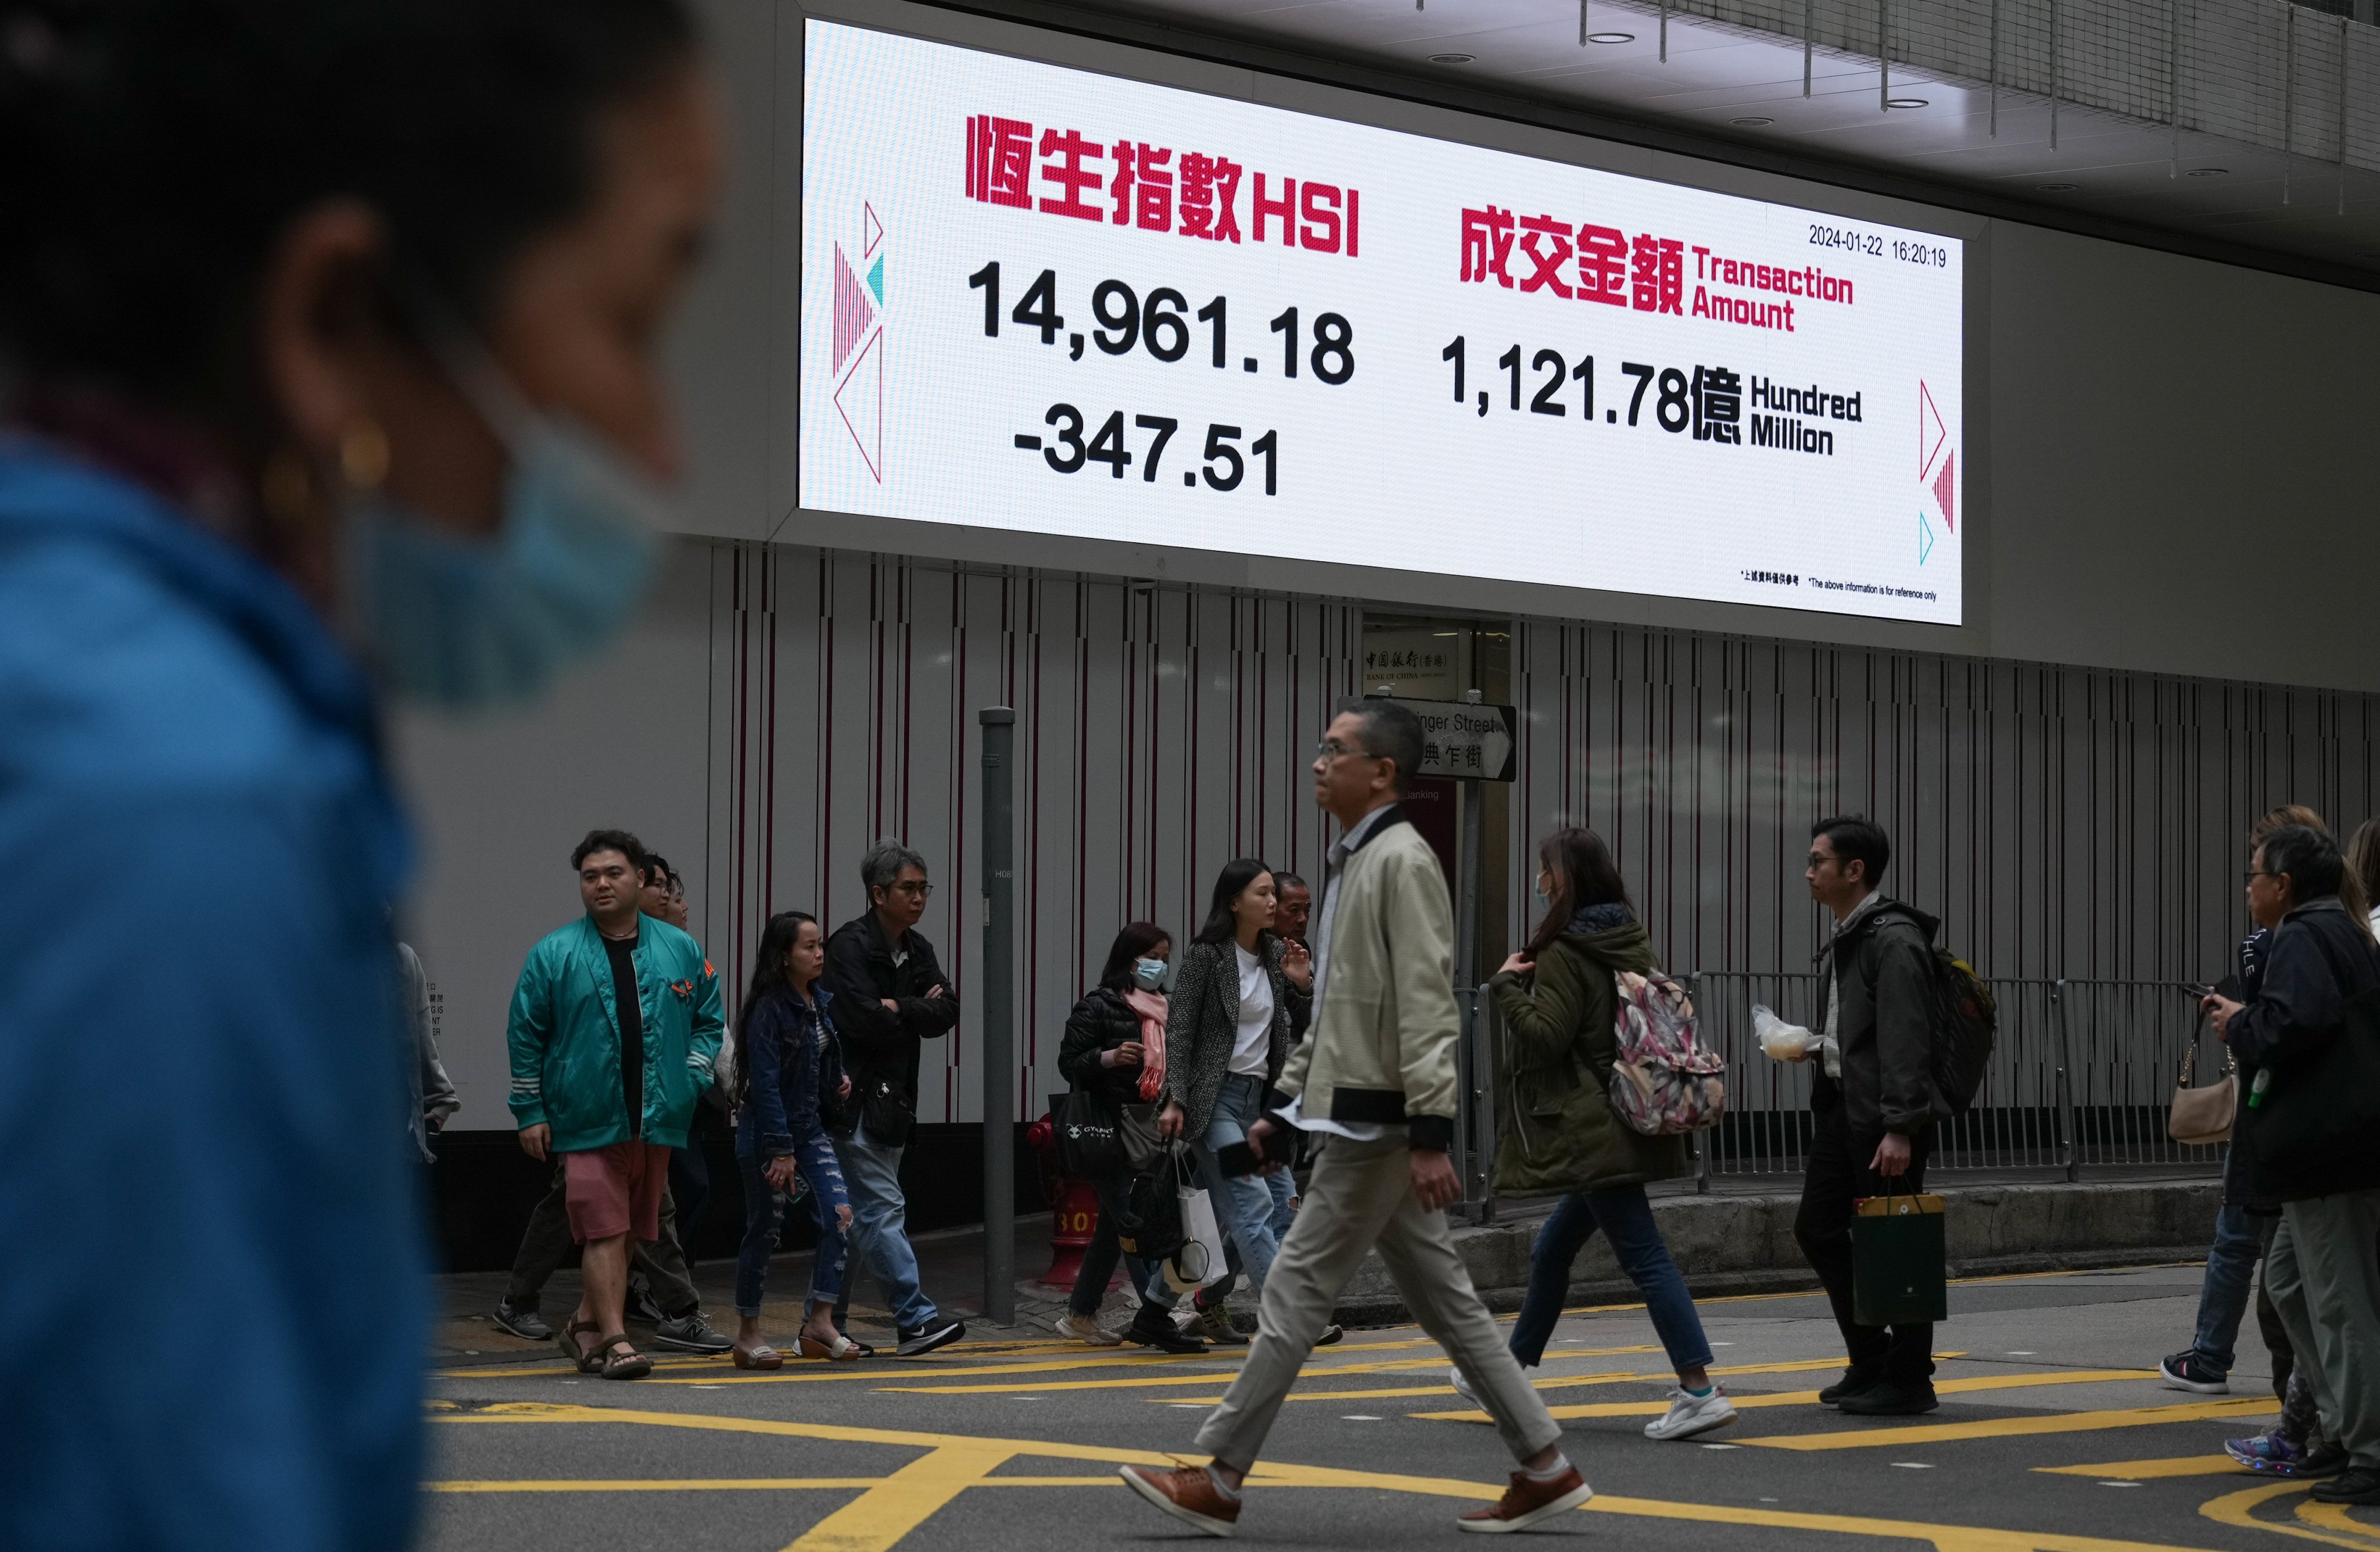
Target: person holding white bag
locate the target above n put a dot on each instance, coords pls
(1227, 1036)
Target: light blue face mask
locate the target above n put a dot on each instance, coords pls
(1148, 973)
(469, 621)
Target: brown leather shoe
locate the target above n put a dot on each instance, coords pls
(1189, 1494)
(1526, 1501)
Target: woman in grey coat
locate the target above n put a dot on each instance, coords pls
(1227, 1033)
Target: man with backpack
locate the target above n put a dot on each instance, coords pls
(1872, 1103)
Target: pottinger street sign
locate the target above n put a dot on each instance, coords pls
(1465, 741)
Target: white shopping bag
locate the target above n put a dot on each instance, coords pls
(1199, 1262)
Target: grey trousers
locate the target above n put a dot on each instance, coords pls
(2325, 1278)
(546, 1244)
(1361, 1198)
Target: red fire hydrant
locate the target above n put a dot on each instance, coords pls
(1074, 1210)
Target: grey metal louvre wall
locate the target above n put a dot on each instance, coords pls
(2064, 822)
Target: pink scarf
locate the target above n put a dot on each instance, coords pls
(1151, 1006)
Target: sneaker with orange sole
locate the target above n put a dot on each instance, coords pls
(1526, 1501)
(1189, 1495)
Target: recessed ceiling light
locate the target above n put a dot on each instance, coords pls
(2206, 172)
(1452, 58)
(1612, 37)
(2057, 189)
(1752, 123)
(1904, 101)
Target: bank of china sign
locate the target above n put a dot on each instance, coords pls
(1044, 300)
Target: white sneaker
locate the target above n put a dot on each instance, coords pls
(1688, 1415)
(1462, 1386)
(1084, 1329)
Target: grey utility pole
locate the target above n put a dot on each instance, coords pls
(998, 977)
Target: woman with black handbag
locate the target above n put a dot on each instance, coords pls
(1114, 1055)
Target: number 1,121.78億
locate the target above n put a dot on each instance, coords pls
(1223, 470)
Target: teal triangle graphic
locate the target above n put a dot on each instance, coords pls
(1924, 529)
(876, 284)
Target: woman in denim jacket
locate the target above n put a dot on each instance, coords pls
(787, 1059)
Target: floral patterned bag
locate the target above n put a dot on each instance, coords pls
(1666, 1081)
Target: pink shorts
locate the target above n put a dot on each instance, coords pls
(614, 1191)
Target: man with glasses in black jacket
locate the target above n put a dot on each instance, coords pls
(889, 995)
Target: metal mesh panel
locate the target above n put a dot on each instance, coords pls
(2283, 76)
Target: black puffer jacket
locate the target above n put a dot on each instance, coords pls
(1885, 1033)
(1100, 1021)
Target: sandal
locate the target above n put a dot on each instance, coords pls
(762, 1357)
(585, 1359)
(844, 1350)
(631, 1364)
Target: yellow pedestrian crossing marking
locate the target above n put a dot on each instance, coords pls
(2151, 1470)
(2008, 1427)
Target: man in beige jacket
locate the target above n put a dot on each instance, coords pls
(1376, 1081)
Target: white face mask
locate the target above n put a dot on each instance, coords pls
(469, 622)
(1148, 974)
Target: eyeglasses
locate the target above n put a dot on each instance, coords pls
(1330, 749)
(2254, 874)
(911, 887)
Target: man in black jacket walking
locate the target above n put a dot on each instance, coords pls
(889, 995)
(1872, 1103)
(2305, 1134)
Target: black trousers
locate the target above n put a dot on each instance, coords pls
(1836, 1177)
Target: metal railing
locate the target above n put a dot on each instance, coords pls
(2081, 1074)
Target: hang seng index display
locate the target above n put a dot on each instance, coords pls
(1044, 300)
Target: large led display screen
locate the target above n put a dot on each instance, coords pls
(1054, 302)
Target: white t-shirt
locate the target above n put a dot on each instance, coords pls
(1253, 1051)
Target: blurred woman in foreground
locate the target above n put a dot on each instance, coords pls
(330, 336)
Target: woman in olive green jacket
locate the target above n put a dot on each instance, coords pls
(1557, 999)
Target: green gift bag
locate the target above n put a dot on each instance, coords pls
(1898, 1260)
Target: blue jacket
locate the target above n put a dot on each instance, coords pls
(564, 1037)
(200, 1053)
(789, 1074)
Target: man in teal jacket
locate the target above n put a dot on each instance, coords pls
(614, 1026)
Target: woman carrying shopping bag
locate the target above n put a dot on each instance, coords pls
(1114, 1048)
(1226, 1039)
(1558, 998)
(789, 1064)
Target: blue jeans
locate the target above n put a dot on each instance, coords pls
(2223, 1297)
(1626, 1218)
(879, 1227)
(1244, 1208)
(762, 1211)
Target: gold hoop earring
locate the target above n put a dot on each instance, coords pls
(363, 454)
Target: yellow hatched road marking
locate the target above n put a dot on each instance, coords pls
(2009, 1427)
(1312, 1371)
(963, 1459)
(1557, 1382)
(1804, 1398)
(689, 1485)
(2233, 1509)
(2151, 1470)
(2334, 1516)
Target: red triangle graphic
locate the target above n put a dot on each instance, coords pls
(859, 399)
(853, 313)
(875, 228)
(1942, 487)
(1929, 431)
